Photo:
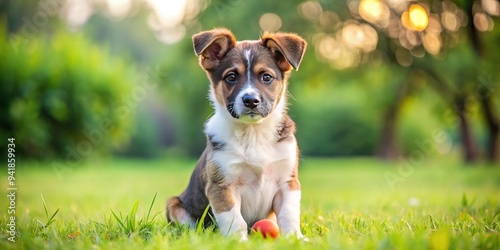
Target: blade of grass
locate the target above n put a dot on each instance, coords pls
(132, 216)
(433, 221)
(151, 207)
(202, 219)
(494, 216)
(118, 220)
(51, 219)
(44, 206)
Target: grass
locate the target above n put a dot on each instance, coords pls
(346, 204)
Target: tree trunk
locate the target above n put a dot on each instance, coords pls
(387, 149)
(493, 124)
(387, 146)
(469, 148)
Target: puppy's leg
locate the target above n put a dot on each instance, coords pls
(286, 205)
(226, 207)
(178, 214)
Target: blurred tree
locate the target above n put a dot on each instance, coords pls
(61, 96)
(439, 38)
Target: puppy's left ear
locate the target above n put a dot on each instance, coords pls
(288, 49)
(211, 46)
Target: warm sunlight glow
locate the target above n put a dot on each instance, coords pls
(450, 21)
(270, 22)
(118, 8)
(492, 7)
(310, 10)
(168, 13)
(432, 43)
(418, 17)
(166, 19)
(77, 12)
(483, 22)
(371, 10)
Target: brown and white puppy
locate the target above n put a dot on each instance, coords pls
(248, 170)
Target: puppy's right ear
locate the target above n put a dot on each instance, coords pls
(211, 46)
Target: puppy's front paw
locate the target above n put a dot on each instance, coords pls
(244, 238)
(303, 238)
(297, 235)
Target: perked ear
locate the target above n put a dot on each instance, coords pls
(212, 45)
(288, 49)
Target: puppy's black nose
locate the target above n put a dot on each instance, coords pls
(251, 100)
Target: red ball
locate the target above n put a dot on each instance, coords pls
(266, 228)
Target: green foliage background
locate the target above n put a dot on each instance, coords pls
(56, 89)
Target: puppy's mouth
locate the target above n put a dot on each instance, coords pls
(252, 114)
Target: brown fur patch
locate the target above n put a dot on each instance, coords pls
(218, 191)
(212, 45)
(288, 49)
(294, 185)
(173, 208)
(220, 197)
(287, 130)
(272, 216)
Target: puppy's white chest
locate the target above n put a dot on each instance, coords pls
(271, 161)
(255, 188)
(256, 173)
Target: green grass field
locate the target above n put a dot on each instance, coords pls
(346, 204)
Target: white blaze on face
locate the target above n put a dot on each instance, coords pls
(239, 106)
(249, 68)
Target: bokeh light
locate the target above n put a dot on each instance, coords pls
(270, 22)
(168, 13)
(118, 9)
(418, 17)
(483, 22)
(371, 10)
(491, 7)
(450, 21)
(432, 43)
(328, 19)
(76, 12)
(310, 10)
(417, 28)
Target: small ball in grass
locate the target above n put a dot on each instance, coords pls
(267, 228)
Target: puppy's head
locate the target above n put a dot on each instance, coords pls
(248, 78)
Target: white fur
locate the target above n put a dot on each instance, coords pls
(247, 57)
(257, 166)
(289, 214)
(231, 223)
(184, 218)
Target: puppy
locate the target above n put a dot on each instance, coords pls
(249, 169)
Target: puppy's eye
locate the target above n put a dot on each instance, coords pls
(267, 78)
(230, 78)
